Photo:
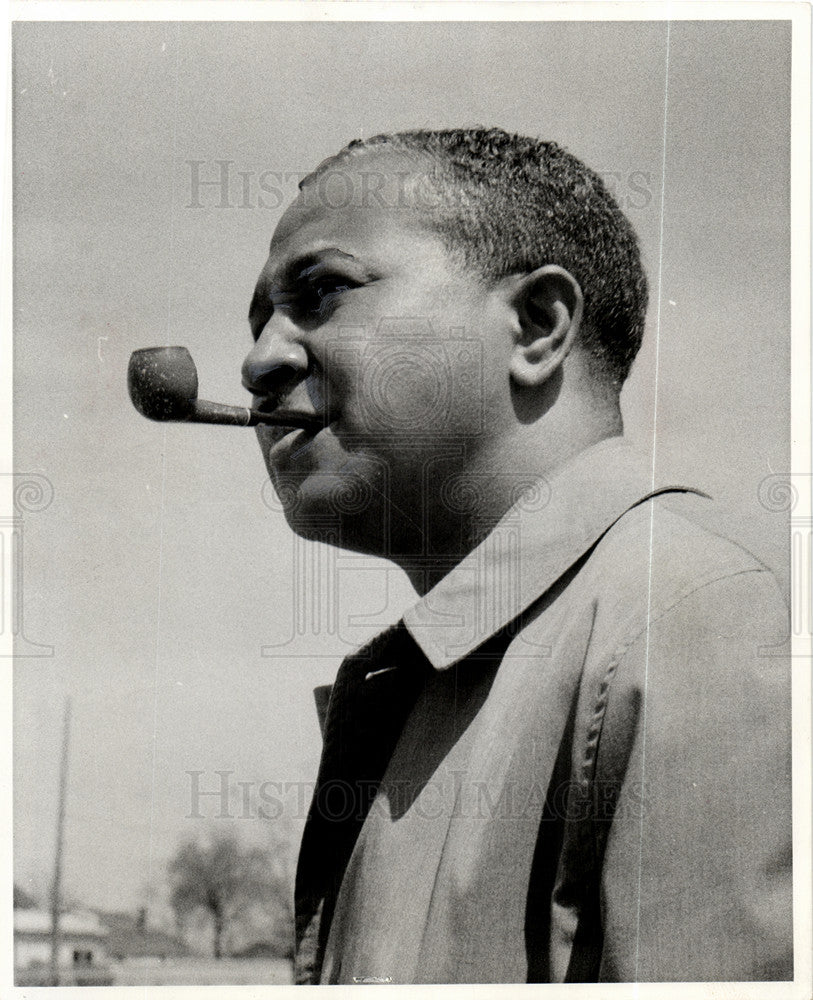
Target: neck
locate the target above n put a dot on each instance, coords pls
(471, 497)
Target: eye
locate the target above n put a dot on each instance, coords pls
(319, 294)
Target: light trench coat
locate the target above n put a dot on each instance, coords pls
(569, 762)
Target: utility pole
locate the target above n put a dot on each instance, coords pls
(60, 829)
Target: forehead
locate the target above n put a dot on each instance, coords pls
(371, 205)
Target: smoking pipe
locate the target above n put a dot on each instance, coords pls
(163, 384)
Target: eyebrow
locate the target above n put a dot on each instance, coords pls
(292, 270)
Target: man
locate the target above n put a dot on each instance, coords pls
(570, 760)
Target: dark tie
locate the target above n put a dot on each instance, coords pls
(374, 692)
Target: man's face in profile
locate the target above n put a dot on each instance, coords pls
(362, 317)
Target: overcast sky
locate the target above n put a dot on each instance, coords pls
(161, 570)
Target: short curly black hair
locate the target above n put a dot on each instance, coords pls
(510, 204)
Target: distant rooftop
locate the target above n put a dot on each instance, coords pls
(39, 922)
(128, 938)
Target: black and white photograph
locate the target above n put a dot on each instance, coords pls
(407, 541)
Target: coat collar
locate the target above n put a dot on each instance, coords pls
(542, 535)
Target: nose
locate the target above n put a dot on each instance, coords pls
(275, 363)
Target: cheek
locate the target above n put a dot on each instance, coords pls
(406, 387)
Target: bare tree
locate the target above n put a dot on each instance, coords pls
(222, 877)
(22, 900)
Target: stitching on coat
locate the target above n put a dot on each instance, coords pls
(587, 767)
(592, 831)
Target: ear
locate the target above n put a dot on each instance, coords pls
(549, 305)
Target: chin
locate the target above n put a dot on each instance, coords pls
(335, 511)
(344, 533)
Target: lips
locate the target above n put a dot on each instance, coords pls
(291, 451)
(282, 442)
(286, 419)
